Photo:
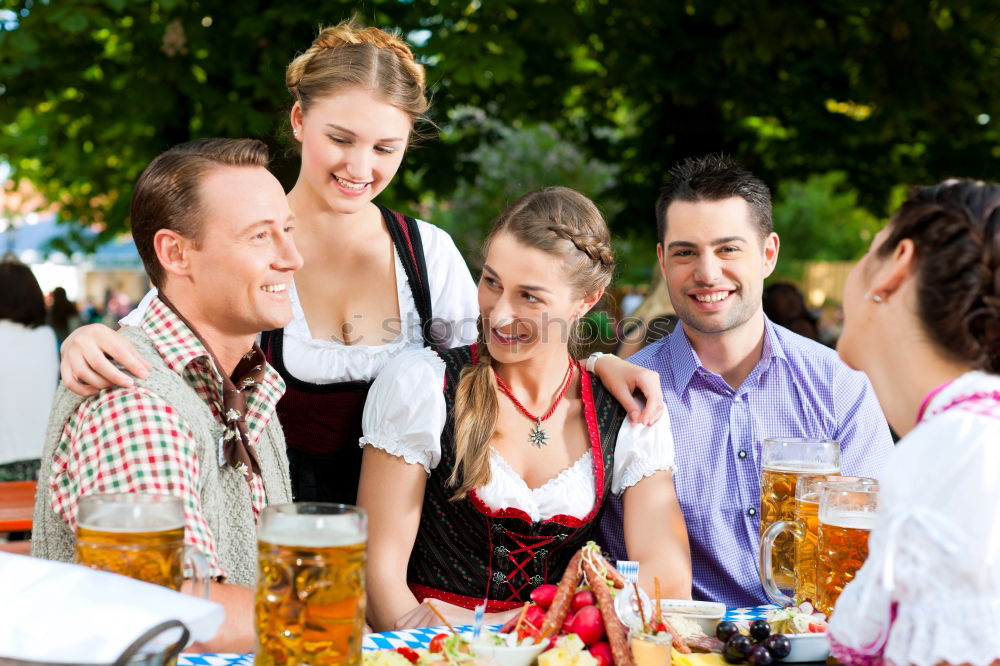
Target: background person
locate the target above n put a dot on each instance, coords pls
(497, 480)
(30, 362)
(63, 316)
(375, 283)
(922, 320)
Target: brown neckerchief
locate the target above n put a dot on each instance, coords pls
(236, 446)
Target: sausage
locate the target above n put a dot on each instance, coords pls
(704, 644)
(556, 615)
(675, 638)
(615, 577)
(616, 636)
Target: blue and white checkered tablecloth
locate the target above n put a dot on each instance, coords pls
(416, 638)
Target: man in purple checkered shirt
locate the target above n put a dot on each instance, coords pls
(731, 378)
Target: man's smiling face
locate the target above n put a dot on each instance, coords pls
(714, 262)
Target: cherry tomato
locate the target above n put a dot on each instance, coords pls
(409, 654)
(437, 643)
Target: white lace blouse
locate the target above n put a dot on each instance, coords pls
(405, 415)
(453, 302)
(934, 552)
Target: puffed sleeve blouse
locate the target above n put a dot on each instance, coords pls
(405, 415)
(929, 591)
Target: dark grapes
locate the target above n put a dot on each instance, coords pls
(726, 630)
(759, 656)
(737, 649)
(760, 630)
(778, 645)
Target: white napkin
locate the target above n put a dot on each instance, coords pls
(58, 612)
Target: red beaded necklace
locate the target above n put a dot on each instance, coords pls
(538, 437)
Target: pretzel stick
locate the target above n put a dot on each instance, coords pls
(638, 600)
(520, 618)
(442, 618)
(658, 612)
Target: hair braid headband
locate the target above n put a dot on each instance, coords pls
(589, 244)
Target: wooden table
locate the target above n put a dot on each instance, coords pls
(17, 505)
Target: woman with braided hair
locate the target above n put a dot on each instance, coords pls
(922, 319)
(498, 479)
(374, 284)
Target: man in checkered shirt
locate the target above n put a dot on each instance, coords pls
(213, 229)
(731, 378)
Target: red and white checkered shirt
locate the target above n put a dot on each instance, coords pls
(129, 440)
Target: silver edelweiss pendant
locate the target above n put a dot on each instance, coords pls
(538, 437)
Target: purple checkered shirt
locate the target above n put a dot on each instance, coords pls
(798, 389)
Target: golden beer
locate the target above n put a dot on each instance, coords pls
(842, 549)
(152, 556)
(310, 599)
(777, 502)
(807, 513)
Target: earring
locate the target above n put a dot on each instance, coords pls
(295, 133)
(877, 297)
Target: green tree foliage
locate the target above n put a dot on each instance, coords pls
(885, 91)
(819, 219)
(510, 161)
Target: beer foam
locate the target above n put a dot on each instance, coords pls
(124, 518)
(809, 467)
(313, 531)
(852, 520)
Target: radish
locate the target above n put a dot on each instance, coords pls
(568, 623)
(602, 653)
(534, 616)
(581, 599)
(588, 625)
(543, 595)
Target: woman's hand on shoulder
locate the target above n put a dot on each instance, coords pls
(88, 361)
(623, 379)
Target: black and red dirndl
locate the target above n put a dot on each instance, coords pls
(322, 422)
(465, 552)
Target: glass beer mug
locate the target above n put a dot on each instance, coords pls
(804, 530)
(846, 516)
(140, 536)
(310, 599)
(783, 462)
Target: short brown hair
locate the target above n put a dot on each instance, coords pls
(167, 196)
(714, 178)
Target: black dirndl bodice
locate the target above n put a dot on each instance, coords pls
(465, 552)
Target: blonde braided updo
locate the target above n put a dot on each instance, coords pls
(348, 55)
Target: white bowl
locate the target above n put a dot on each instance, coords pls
(808, 647)
(504, 655)
(708, 614)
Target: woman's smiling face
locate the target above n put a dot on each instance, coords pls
(352, 146)
(526, 300)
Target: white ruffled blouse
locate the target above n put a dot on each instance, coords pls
(934, 552)
(453, 302)
(405, 415)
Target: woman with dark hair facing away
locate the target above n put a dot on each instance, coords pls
(500, 455)
(29, 360)
(374, 284)
(922, 319)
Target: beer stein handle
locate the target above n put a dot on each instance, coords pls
(767, 558)
(201, 575)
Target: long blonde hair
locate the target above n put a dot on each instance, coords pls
(558, 221)
(348, 55)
